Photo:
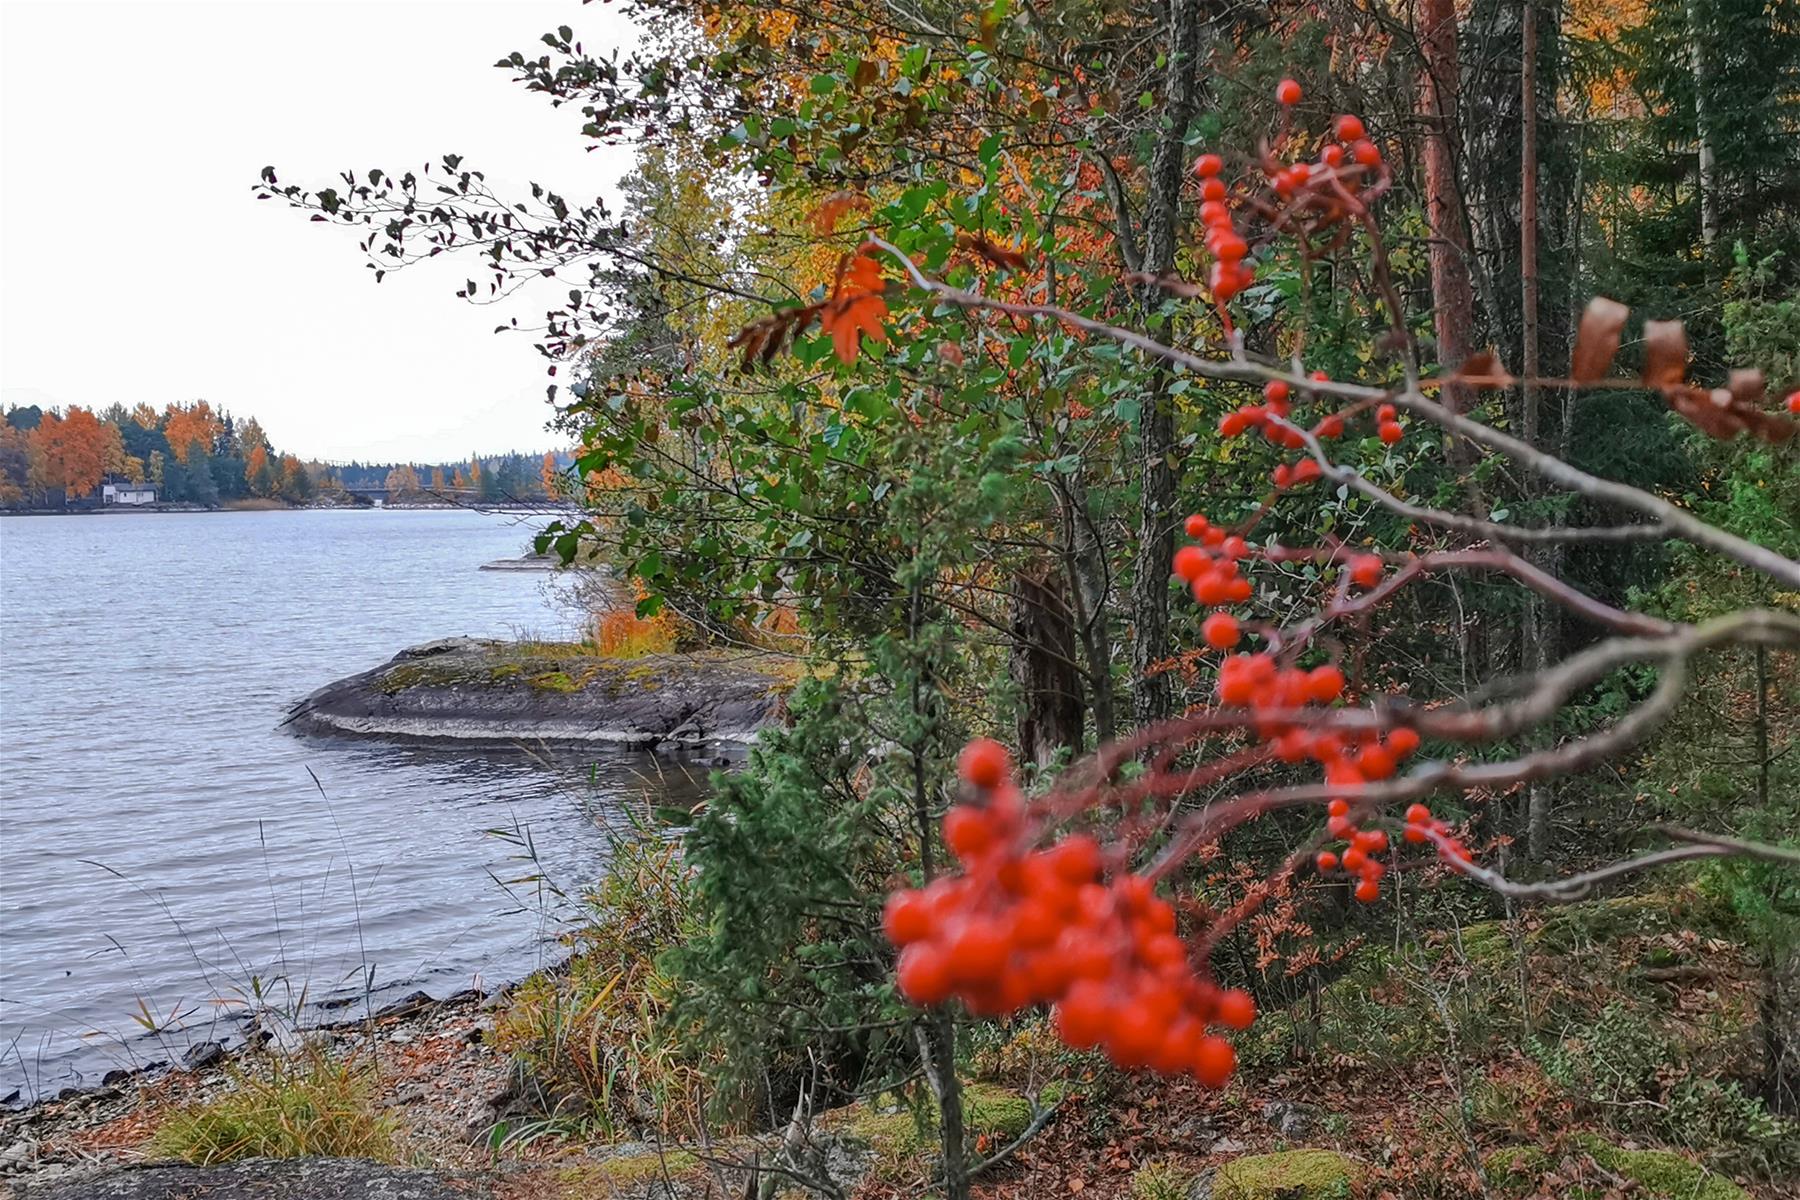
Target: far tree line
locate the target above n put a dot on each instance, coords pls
(196, 454)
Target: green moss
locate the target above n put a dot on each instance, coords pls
(555, 681)
(504, 671)
(606, 1178)
(1663, 1174)
(1291, 1175)
(1515, 1170)
(988, 1110)
(1159, 1181)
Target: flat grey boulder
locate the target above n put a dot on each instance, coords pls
(471, 689)
(263, 1179)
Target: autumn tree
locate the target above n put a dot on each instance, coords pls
(70, 452)
(403, 481)
(191, 425)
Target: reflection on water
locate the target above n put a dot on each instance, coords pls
(167, 854)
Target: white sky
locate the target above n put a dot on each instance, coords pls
(135, 264)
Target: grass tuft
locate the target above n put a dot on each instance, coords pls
(309, 1106)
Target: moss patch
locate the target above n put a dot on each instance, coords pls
(1514, 1170)
(555, 681)
(1291, 1175)
(1663, 1174)
(604, 1179)
(988, 1110)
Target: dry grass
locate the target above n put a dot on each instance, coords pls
(285, 1108)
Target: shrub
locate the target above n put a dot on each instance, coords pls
(312, 1106)
(591, 1037)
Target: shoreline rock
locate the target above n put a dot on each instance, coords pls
(471, 690)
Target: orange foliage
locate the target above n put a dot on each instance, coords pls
(70, 451)
(195, 423)
(621, 633)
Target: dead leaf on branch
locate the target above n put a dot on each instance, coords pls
(824, 219)
(856, 307)
(1665, 353)
(1003, 257)
(1175, 285)
(1597, 339)
(1485, 369)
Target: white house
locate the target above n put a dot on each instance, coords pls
(127, 493)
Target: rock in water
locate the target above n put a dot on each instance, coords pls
(469, 689)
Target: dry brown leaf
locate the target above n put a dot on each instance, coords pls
(1004, 257)
(1485, 368)
(1597, 340)
(1665, 353)
(1173, 284)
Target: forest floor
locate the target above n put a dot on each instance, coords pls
(1412, 1075)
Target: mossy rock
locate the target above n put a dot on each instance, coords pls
(555, 681)
(1663, 1174)
(1289, 1175)
(988, 1110)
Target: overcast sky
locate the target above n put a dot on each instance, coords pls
(135, 264)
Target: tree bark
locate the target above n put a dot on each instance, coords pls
(1045, 667)
(1153, 695)
(1452, 291)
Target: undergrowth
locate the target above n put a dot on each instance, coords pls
(310, 1106)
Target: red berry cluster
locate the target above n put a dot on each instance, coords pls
(1229, 275)
(1793, 403)
(1359, 855)
(1260, 683)
(1020, 927)
(1276, 403)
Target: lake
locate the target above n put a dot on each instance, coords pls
(167, 852)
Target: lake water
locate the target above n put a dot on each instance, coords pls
(166, 851)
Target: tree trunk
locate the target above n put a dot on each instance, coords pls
(1452, 292)
(1709, 196)
(1153, 694)
(1045, 667)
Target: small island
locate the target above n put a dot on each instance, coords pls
(475, 690)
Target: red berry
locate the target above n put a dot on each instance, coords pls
(1371, 841)
(1208, 165)
(1231, 248)
(1331, 427)
(1288, 92)
(1349, 128)
(1324, 684)
(1320, 377)
(1236, 1010)
(907, 918)
(1306, 470)
(1076, 858)
(1276, 391)
(1234, 548)
(1414, 834)
(1339, 807)
(1354, 858)
(1221, 631)
(1368, 891)
(924, 974)
(1215, 213)
(1375, 762)
(1196, 526)
(1212, 189)
(1282, 475)
(1417, 814)
(1391, 431)
(1083, 1015)
(1214, 1059)
(1332, 156)
(1365, 570)
(1210, 589)
(984, 763)
(1793, 403)
(1386, 412)
(1403, 742)
(968, 832)
(1237, 590)
(1214, 536)
(1326, 861)
(1191, 562)
(1133, 1034)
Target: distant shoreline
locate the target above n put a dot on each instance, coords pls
(233, 507)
